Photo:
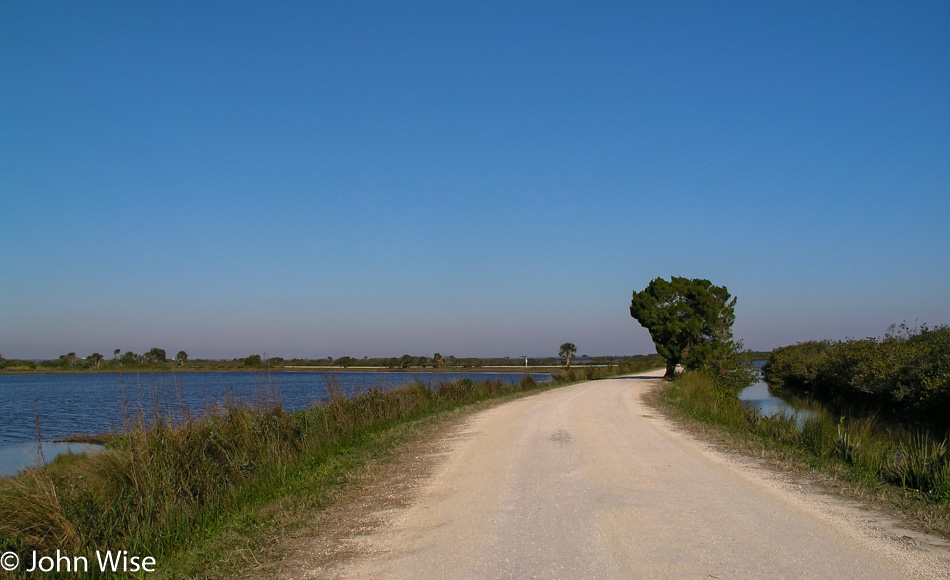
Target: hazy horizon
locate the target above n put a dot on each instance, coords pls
(313, 179)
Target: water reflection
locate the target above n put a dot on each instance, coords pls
(759, 397)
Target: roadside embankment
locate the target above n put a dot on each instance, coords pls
(904, 472)
(199, 494)
(587, 481)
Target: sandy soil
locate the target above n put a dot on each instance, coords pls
(587, 481)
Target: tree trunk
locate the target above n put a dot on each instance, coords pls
(670, 369)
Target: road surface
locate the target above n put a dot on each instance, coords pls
(587, 481)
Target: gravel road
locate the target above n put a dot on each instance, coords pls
(587, 481)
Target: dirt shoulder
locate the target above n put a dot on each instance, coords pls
(332, 537)
(589, 481)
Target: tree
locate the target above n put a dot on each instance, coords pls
(67, 360)
(567, 351)
(437, 360)
(181, 357)
(115, 354)
(96, 358)
(156, 355)
(253, 361)
(689, 320)
(346, 361)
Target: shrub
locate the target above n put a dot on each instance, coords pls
(795, 366)
(923, 464)
(527, 382)
(907, 375)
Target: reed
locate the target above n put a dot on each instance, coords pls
(171, 479)
(872, 455)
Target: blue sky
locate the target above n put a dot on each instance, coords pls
(314, 179)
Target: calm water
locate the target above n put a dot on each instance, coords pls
(77, 404)
(758, 397)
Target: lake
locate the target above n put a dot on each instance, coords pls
(60, 405)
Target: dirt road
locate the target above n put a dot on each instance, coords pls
(587, 481)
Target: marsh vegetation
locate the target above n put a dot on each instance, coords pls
(175, 486)
(903, 467)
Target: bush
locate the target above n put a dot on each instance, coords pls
(906, 375)
(795, 366)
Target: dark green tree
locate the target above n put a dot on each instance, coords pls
(95, 358)
(181, 357)
(253, 361)
(346, 361)
(567, 351)
(690, 321)
(66, 361)
(156, 355)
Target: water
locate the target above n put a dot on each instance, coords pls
(70, 404)
(15, 458)
(759, 397)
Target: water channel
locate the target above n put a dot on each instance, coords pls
(758, 396)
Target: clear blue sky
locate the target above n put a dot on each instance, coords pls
(480, 179)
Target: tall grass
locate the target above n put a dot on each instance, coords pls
(874, 454)
(630, 365)
(168, 480)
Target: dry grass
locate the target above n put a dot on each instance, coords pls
(171, 482)
(905, 473)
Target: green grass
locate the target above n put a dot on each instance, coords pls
(202, 494)
(904, 470)
(199, 494)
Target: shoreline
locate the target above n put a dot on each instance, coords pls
(492, 369)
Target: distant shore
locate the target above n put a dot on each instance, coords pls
(292, 368)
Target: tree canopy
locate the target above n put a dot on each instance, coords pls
(156, 355)
(567, 351)
(689, 320)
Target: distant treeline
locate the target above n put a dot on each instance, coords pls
(754, 355)
(905, 376)
(157, 359)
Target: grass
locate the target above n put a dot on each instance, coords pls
(904, 471)
(199, 494)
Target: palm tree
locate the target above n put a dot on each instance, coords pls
(181, 357)
(567, 351)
